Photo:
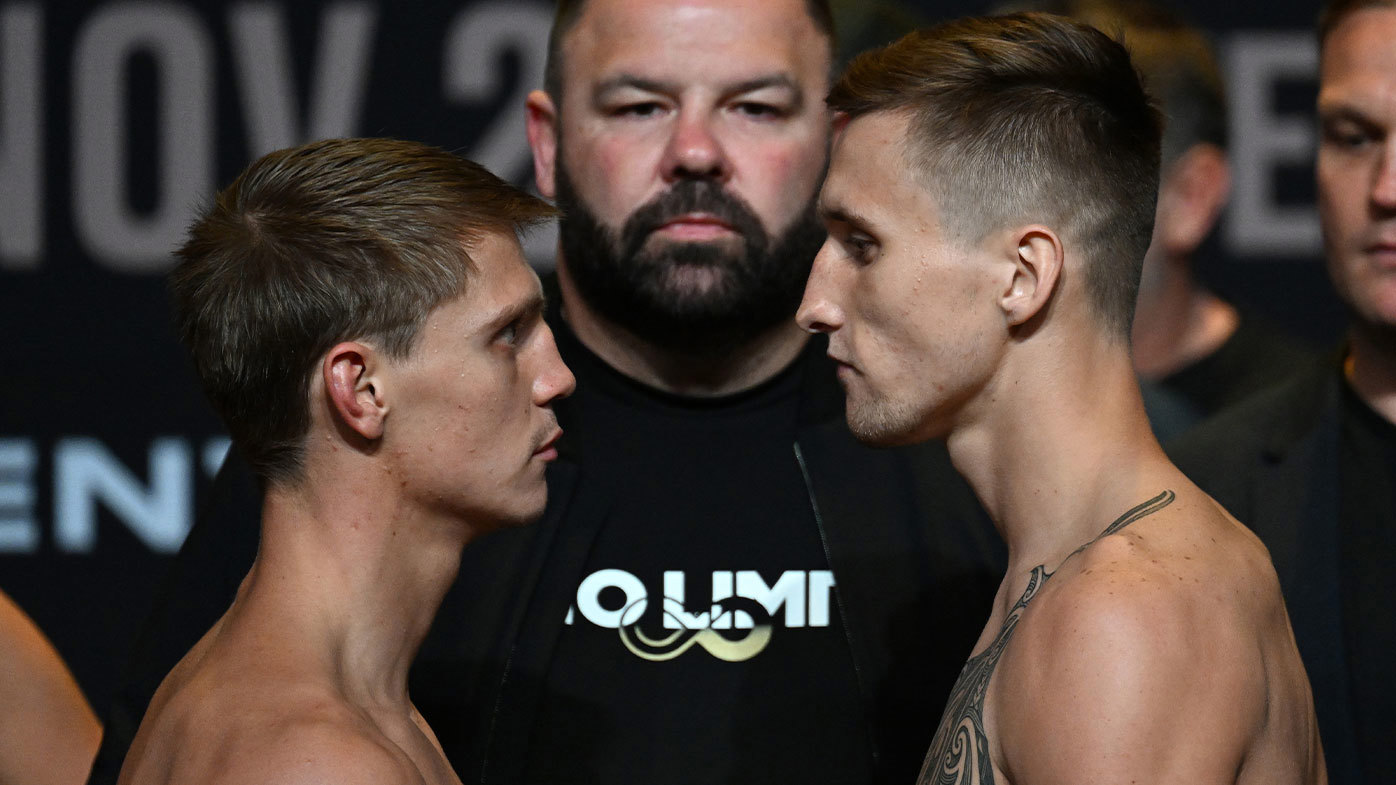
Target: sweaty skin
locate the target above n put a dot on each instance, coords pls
(1139, 633)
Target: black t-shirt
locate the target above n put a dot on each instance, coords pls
(704, 643)
(1368, 466)
(1256, 356)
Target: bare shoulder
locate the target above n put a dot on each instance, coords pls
(1141, 652)
(313, 749)
(226, 731)
(1190, 557)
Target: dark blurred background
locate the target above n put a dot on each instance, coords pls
(117, 120)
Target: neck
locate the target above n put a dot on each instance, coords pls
(1177, 322)
(1056, 447)
(1371, 369)
(760, 358)
(347, 578)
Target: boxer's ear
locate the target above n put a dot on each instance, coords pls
(355, 388)
(1037, 266)
(839, 124)
(541, 123)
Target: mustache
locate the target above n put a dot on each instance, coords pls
(691, 196)
(546, 432)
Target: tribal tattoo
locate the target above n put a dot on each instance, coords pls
(959, 753)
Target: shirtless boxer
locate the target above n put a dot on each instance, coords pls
(361, 315)
(989, 202)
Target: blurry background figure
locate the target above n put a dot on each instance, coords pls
(48, 733)
(864, 24)
(1311, 465)
(1196, 352)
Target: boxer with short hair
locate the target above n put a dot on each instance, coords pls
(989, 202)
(361, 316)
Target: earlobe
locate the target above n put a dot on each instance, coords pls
(541, 123)
(354, 389)
(1037, 264)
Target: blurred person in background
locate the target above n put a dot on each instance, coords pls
(1311, 465)
(1196, 352)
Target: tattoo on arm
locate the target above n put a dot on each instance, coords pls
(959, 753)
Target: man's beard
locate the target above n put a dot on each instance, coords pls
(698, 299)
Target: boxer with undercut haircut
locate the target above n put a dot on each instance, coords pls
(989, 202)
(361, 316)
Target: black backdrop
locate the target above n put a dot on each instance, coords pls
(117, 119)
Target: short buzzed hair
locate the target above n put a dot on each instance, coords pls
(344, 239)
(567, 12)
(1027, 118)
(1335, 11)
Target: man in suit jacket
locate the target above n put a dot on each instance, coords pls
(1310, 464)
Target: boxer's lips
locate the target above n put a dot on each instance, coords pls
(842, 366)
(548, 449)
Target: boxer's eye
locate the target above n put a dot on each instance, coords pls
(860, 246)
(509, 335)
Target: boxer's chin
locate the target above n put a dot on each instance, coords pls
(882, 422)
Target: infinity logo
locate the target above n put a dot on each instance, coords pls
(668, 647)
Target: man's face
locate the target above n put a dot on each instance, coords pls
(1357, 163)
(472, 422)
(690, 139)
(910, 309)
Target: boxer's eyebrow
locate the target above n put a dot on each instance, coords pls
(843, 215)
(524, 309)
